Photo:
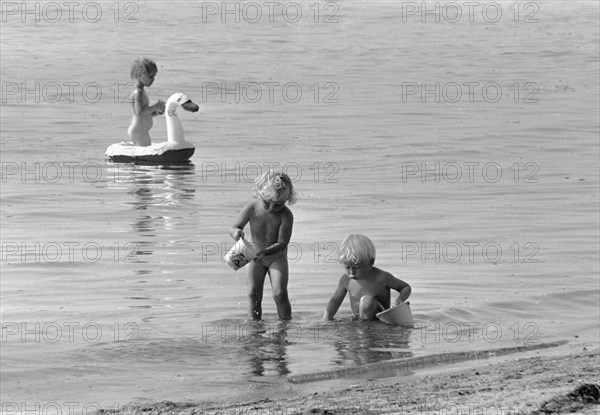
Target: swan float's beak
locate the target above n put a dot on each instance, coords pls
(190, 106)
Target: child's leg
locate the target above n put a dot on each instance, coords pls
(278, 273)
(255, 281)
(368, 307)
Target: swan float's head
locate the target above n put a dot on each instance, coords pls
(179, 100)
(174, 128)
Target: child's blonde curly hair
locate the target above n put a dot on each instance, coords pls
(275, 187)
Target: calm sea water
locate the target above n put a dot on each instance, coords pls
(467, 149)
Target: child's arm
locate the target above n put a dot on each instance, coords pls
(284, 236)
(402, 287)
(159, 108)
(336, 301)
(237, 230)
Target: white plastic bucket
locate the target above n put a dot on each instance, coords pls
(240, 254)
(399, 315)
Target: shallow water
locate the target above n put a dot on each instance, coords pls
(113, 284)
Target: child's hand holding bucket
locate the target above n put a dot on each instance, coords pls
(237, 234)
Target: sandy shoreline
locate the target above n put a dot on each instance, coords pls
(535, 384)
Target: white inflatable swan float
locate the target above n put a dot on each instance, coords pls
(175, 149)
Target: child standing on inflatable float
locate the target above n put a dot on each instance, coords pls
(143, 71)
(271, 229)
(368, 286)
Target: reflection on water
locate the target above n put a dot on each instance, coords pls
(365, 342)
(266, 348)
(165, 188)
(162, 186)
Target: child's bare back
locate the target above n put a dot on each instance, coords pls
(141, 121)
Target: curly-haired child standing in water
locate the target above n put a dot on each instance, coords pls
(271, 229)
